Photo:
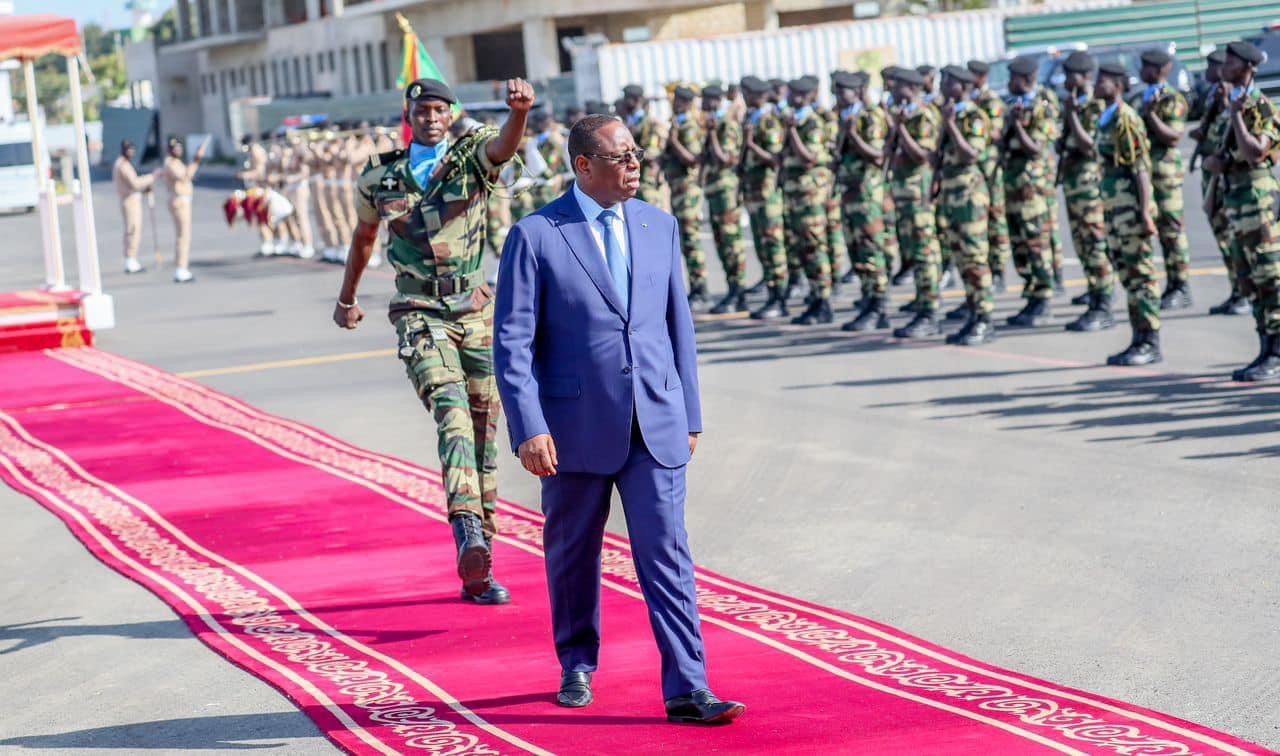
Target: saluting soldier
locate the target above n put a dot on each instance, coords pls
(681, 165)
(1164, 111)
(807, 183)
(864, 129)
(433, 197)
(1026, 147)
(1125, 153)
(993, 169)
(1245, 162)
(721, 156)
(129, 188)
(763, 137)
(1208, 135)
(915, 138)
(177, 177)
(1081, 177)
(648, 136)
(963, 202)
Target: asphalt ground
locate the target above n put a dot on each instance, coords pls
(1115, 530)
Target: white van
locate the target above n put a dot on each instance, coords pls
(17, 169)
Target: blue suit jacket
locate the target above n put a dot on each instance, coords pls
(572, 362)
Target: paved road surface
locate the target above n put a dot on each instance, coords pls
(1112, 530)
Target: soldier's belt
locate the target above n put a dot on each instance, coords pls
(443, 286)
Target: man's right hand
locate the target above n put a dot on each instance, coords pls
(538, 455)
(347, 317)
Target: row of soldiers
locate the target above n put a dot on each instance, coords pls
(316, 170)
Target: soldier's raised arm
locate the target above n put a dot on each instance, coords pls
(520, 101)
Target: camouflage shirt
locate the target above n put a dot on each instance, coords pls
(1261, 120)
(768, 134)
(798, 174)
(436, 231)
(994, 107)
(975, 127)
(872, 125)
(1122, 142)
(1169, 106)
(925, 127)
(1075, 158)
(1040, 121)
(648, 136)
(688, 132)
(722, 177)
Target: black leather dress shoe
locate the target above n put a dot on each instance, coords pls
(702, 707)
(575, 690)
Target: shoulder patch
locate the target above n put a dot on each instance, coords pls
(383, 158)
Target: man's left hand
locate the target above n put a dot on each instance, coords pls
(693, 443)
(519, 95)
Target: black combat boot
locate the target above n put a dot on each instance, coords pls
(1233, 305)
(819, 311)
(1097, 317)
(1082, 299)
(922, 325)
(912, 306)
(497, 594)
(1035, 313)
(1176, 296)
(759, 287)
(871, 316)
(698, 297)
(734, 301)
(977, 330)
(903, 273)
(474, 558)
(1238, 373)
(773, 308)
(1267, 367)
(961, 313)
(1143, 350)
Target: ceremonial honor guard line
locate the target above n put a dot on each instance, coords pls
(322, 569)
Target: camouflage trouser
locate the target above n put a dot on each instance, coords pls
(867, 233)
(1055, 228)
(918, 236)
(686, 206)
(726, 228)
(765, 210)
(650, 192)
(892, 250)
(1221, 228)
(807, 225)
(1088, 225)
(795, 265)
(1131, 248)
(1029, 232)
(1166, 188)
(835, 231)
(963, 207)
(450, 364)
(998, 226)
(498, 221)
(1250, 205)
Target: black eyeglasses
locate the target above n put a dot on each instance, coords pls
(621, 159)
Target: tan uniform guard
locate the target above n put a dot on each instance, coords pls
(177, 177)
(130, 188)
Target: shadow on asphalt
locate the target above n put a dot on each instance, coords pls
(228, 732)
(38, 633)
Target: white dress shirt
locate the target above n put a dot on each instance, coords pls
(591, 211)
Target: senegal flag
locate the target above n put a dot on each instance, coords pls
(415, 63)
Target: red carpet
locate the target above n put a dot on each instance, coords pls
(326, 570)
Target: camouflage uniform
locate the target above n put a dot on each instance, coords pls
(993, 170)
(910, 183)
(806, 189)
(686, 196)
(1054, 107)
(1166, 183)
(1081, 176)
(551, 184)
(442, 309)
(762, 194)
(836, 242)
(1211, 191)
(1123, 150)
(522, 202)
(1249, 201)
(1026, 177)
(648, 136)
(862, 194)
(723, 203)
(963, 207)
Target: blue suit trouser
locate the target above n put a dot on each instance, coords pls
(576, 506)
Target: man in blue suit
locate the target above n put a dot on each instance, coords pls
(597, 366)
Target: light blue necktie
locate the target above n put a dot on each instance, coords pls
(619, 265)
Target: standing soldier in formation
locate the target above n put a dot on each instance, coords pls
(297, 189)
(1208, 142)
(1026, 146)
(860, 183)
(433, 197)
(836, 244)
(315, 167)
(681, 167)
(1244, 165)
(915, 136)
(648, 136)
(1124, 151)
(1164, 111)
(963, 202)
(1081, 177)
(807, 184)
(763, 141)
(993, 169)
(253, 172)
(177, 177)
(721, 156)
(1054, 108)
(335, 160)
(130, 188)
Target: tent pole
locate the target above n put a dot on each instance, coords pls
(55, 278)
(99, 312)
